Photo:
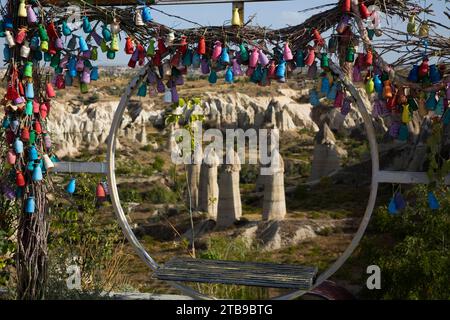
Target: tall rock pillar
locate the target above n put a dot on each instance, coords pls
(230, 207)
(209, 188)
(274, 204)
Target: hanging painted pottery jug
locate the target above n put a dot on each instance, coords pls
(224, 56)
(346, 106)
(29, 91)
(411, 27)
(424, 29)
(30, 205)
(115, 26)
(435, 76)
(432, 201)
(229, 75)
(332, 93)
(11, 157)
(313, 98)
(146, 14)
(31, 15)
(111, 54)
(254, 56)
(287, 53)
(37, 173)
(212, 77)
(201, 47)
(18, 146)
(167, 96)
(138, 21)
(65, 29)
(100, 192)
(94, 73)
(106, 33)
(216, 51)
(20, 179)
(48, 163)
(86, 25)
(236, 18)
(205, 66)
(310, 57)
(378, 85)
(312, 70)
(115, 43)
(71, 186)
(243, 53)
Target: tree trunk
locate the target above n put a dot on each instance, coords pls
(32, 252)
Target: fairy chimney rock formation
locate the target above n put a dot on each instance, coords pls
(327, 155)
(173, 127)
(209, 188)
(230, 207)
(141, 136)
(193, 181)
(274, 204)
(197, 156)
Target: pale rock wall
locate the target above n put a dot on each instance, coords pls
(76, 127)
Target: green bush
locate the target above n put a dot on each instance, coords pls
(414, 254)
(248, 173)
(224, 248)
(124, 170)
(158, 164)
(78, 236)
(8, 216)
(94, 98)
(129, 195)
(147, 148)
(148, 171)
(9, 213)
(160, 194)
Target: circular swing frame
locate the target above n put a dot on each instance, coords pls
(146, 257)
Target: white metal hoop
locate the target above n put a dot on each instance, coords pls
(145, 256)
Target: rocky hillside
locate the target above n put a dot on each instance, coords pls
(79, 124)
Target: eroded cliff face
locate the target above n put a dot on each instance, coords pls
(75, 127)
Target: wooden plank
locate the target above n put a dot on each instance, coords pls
(186, 262)
(238, 280)
(80, 167)
(405, 177)
(239, 264)
(261, 274)
(158, 2)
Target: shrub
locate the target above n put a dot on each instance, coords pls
(129, 195)
(224, 248)
(147, 148)
(158, 164)
(415, 262)
(9, 211)
(248, 173)
(78, 237)
(160, 194)
(94, 98)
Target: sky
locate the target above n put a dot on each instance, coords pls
(275, 14)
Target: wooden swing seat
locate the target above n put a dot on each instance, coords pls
(260, 274)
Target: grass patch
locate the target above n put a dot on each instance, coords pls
(224, 248)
